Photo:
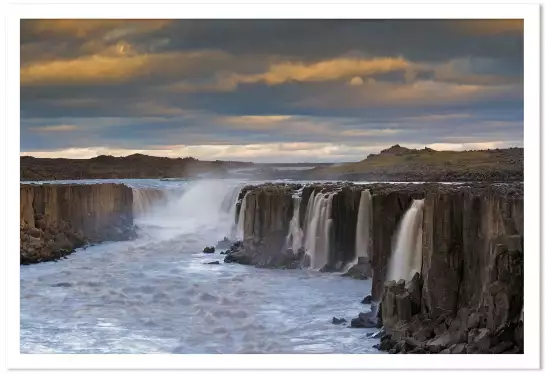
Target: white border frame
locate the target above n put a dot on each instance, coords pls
(531, 15)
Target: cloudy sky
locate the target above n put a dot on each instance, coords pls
(268, 90)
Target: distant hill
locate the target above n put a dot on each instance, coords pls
(398, 163)
(110, 167)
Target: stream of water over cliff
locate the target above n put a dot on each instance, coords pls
(157, 294)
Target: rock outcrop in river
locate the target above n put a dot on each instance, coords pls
(471, 255)
(56, 218)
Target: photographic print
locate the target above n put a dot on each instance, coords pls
(271, 186)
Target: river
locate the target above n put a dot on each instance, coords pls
(157, 294)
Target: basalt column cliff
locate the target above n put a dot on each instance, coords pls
(463, 290)
(56, 218)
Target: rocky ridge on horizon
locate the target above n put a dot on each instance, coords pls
(396, 163)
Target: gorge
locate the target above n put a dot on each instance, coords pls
(443, 261)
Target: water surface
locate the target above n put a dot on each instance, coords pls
(156, 294)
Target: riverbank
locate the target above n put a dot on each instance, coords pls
(55, 219)
(157, 294)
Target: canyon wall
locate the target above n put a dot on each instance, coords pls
(267, 213)
(472, 255)
(270, 219)
(469, 297)
(56, 218)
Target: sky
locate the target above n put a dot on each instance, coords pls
(268, 90)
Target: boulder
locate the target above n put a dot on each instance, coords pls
(359, 323)
(338, 321)
(366, 300)
(239, 257)
(362, 270)
(386, 344)
(209, 250)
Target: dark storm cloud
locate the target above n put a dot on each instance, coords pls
(161, 83)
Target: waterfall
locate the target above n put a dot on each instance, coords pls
(363, 224)
(240, 221)
(362, 229)
(406, 259)
(198, 204)
(310, 205)
(144, 199)
(318, 231)
(294, 239)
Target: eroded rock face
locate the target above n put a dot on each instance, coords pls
(472, 257)
(56, 218)
(267, 214)
(472, 275)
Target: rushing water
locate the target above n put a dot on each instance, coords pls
(406, 259)
(157, 294)
(318, 232)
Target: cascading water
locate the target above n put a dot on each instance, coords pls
(144, 199)
(204, 203)
(135, 297)
(362, 225)
(240, 223)
(294, 239)
(318, 231)
(406, 259)
(362, 228)
(306, 221)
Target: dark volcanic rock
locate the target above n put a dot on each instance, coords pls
(110, 167)
(362, 270)
(209, 250)
(472, 257)
(366, 300)
(56, 219)
(213, 263)
(338, 321)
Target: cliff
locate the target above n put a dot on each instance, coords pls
(56, 218)
(469, 297)
(266, 216)
(471, 255)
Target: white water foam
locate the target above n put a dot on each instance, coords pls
(362, 229)
(406, 259)
(294, 239)
(191, 208)
(241, 219)
(156, 294)
(318, 225)
(146, 198)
